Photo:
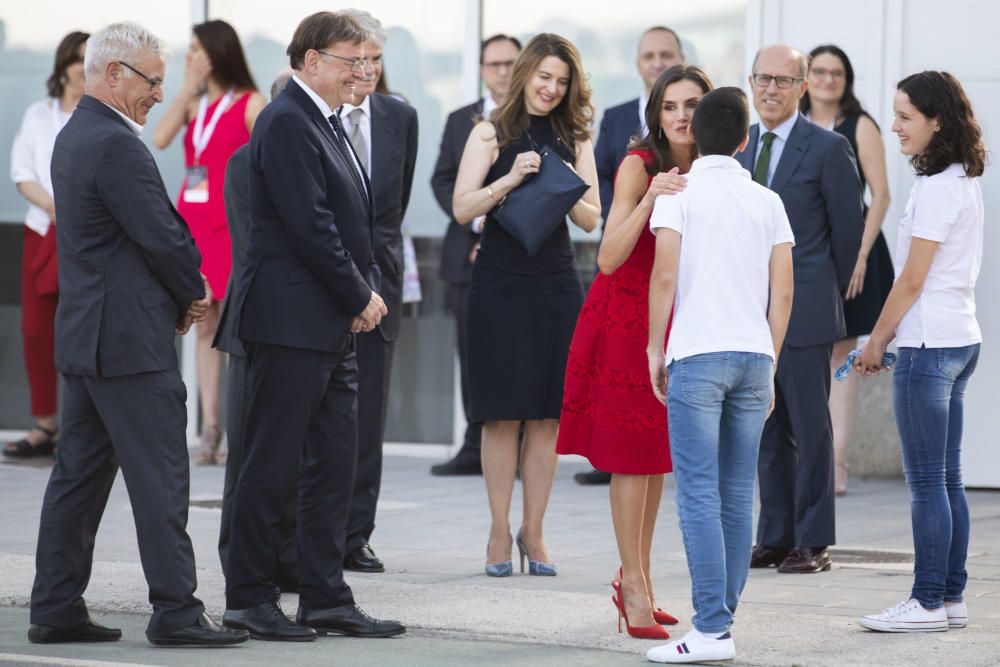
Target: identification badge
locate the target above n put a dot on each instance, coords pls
(196, 185)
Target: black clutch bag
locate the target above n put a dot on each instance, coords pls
(534, 209)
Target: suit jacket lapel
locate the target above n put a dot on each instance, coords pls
(381, 138)
(746, 157)
(795, 148)
(326, 130)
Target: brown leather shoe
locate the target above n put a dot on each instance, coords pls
(806, 560)
(763, 556)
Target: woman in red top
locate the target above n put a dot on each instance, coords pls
(610, 414)
(218, 103)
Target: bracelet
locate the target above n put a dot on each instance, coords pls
(489, 191)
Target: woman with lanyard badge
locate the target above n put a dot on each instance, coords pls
(29, 168)
(219, 103)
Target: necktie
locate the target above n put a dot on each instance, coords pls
(764, 160)
(338, 131)
(358, 139)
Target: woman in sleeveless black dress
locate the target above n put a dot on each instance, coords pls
(830, 102)
(522, 309)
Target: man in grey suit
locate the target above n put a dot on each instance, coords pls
(815, 174)
(128, 279)
(236, 195)
(383, 132)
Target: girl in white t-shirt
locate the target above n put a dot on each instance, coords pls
(931, 312)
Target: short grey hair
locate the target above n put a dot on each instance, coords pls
(281, 81)
(371, 25)
(119, 41)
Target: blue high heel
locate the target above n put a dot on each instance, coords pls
(504, 569)
(535, 568)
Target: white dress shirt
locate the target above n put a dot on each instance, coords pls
(366, 125)
(31, 154)
(643, 101)
(777, 144)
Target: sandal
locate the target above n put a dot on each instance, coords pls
(208, 455)
(23, 449)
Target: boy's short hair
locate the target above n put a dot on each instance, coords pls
(721, 121)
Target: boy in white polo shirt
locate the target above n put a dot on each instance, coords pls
(724, 264)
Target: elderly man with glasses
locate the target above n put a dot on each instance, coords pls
(813, 171)
(309, 284)
(128, 281)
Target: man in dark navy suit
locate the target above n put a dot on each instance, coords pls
(310, 283)
(814, 172)
(496, 64)
(659, 50)
(128, 281)
(383, 133)
(227, 340)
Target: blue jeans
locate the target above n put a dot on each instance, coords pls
(928, 389)
(717, 406)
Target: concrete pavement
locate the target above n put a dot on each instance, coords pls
(432, 533)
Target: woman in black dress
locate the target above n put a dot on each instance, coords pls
(830, 103)
(522, 309)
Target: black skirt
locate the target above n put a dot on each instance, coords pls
(520, 328)
(861, 313)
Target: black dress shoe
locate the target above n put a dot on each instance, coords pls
(267, 621)
(88, 631)
(348, 620)
(806, 560)
(464, 463)
(592, 478)
(363, 559)
(203, 632)
(763, 556)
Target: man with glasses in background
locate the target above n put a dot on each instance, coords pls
(813, 171)
(496, 64)
(309, 284)
(128, 282)
(659, 49)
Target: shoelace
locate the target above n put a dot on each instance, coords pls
(899, 609)
(888, 359)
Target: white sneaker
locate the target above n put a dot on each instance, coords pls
(908, 616)
(694, 647)
(958, 615)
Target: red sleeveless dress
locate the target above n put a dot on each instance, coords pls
(609, 412)
(207, 220)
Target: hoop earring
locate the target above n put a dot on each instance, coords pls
(661, 132)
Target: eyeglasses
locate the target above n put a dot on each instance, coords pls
(783, 82)
(821, 73)
(357, 64)
(154, 82)
(499, 64)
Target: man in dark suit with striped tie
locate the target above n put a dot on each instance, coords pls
(814, 172)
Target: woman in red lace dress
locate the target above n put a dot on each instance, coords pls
(609, 413)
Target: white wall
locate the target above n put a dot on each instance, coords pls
(887, 40)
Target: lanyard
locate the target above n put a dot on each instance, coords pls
(203, 133)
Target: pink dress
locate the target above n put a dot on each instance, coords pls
(208, 220)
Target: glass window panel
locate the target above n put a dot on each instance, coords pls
(607, 35)
(423, 59)
(29, 34)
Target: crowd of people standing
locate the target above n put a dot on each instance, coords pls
(739, 265)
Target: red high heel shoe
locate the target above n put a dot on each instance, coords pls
(641, 632)
(660, 616)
